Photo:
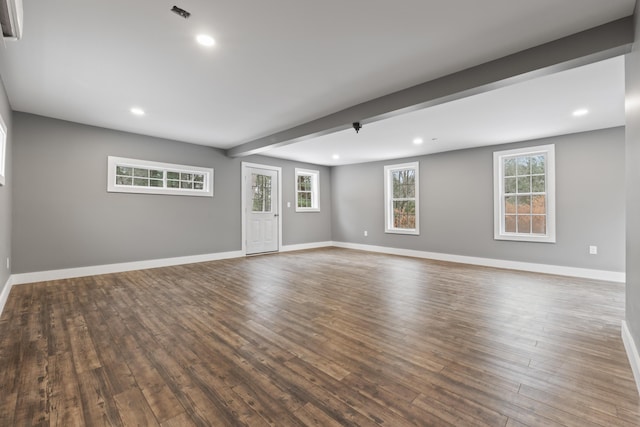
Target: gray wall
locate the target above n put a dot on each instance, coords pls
(63, 216)
(5, 192)
(633, 184)
(456, 204)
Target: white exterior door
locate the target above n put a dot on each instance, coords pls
(261, 207)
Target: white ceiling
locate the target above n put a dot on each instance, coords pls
(276, 64)
(533, 109)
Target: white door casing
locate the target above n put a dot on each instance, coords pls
(261, 221)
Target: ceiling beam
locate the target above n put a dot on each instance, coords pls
(593, 45)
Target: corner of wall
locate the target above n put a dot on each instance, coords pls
(4, 294)
(632, 352)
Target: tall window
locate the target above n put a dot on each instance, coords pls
(307, 190)
(524, 194)
(3, 150)
(401, 198)
(142, 176)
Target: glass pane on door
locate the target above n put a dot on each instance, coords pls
(261, 193)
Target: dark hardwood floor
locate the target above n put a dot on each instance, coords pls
(327, 337)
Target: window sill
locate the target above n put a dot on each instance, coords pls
(525, 238)
(398, 231)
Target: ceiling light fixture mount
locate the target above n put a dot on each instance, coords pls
(180, 12)
(357, 126)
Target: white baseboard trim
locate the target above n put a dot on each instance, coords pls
(42, 276)
(303, 246)
(611, 276)
(69, 273)
(4, 295)
(632, 352)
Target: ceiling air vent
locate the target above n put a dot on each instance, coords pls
(11, 19)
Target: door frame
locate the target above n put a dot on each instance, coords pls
(243, 192)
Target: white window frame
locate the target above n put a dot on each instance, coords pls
(388, 198)
(3, 151)
(550, 201)
(113, 162)
(315, 190)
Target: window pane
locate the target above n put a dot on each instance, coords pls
(510, 167)
(510, 185)
(410, 188)
(399, 189)
(198, 186)
(186, 184)
(304, 183)
(510, 204)
(198, 178)
(539, 224)
(122, 170)
(141, 182)
(156, 174)
(510, 223)
(537, 164)
(173, 175)
(524, 184)
(186, 177)
(173, 184)
(144, 173)
(404, 214)
(524, 204)
(156, 183)
(411, 176)
(261, 185)
(304, 200)
(539, 205)
(524, 165)
(123, 180)
(524, 224)
(537, 184)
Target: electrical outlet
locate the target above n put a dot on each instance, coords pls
(366, 233)
(593, 250)
(288, 204)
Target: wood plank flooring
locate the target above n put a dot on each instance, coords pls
(328, 337)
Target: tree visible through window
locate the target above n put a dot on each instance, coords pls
(261, 187)
(401, 198)
(307, 190)
(524, 181)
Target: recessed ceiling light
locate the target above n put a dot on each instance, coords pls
(137, 111)
(335, 156)
(205, 40)
(418, 141)
(580, 112)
